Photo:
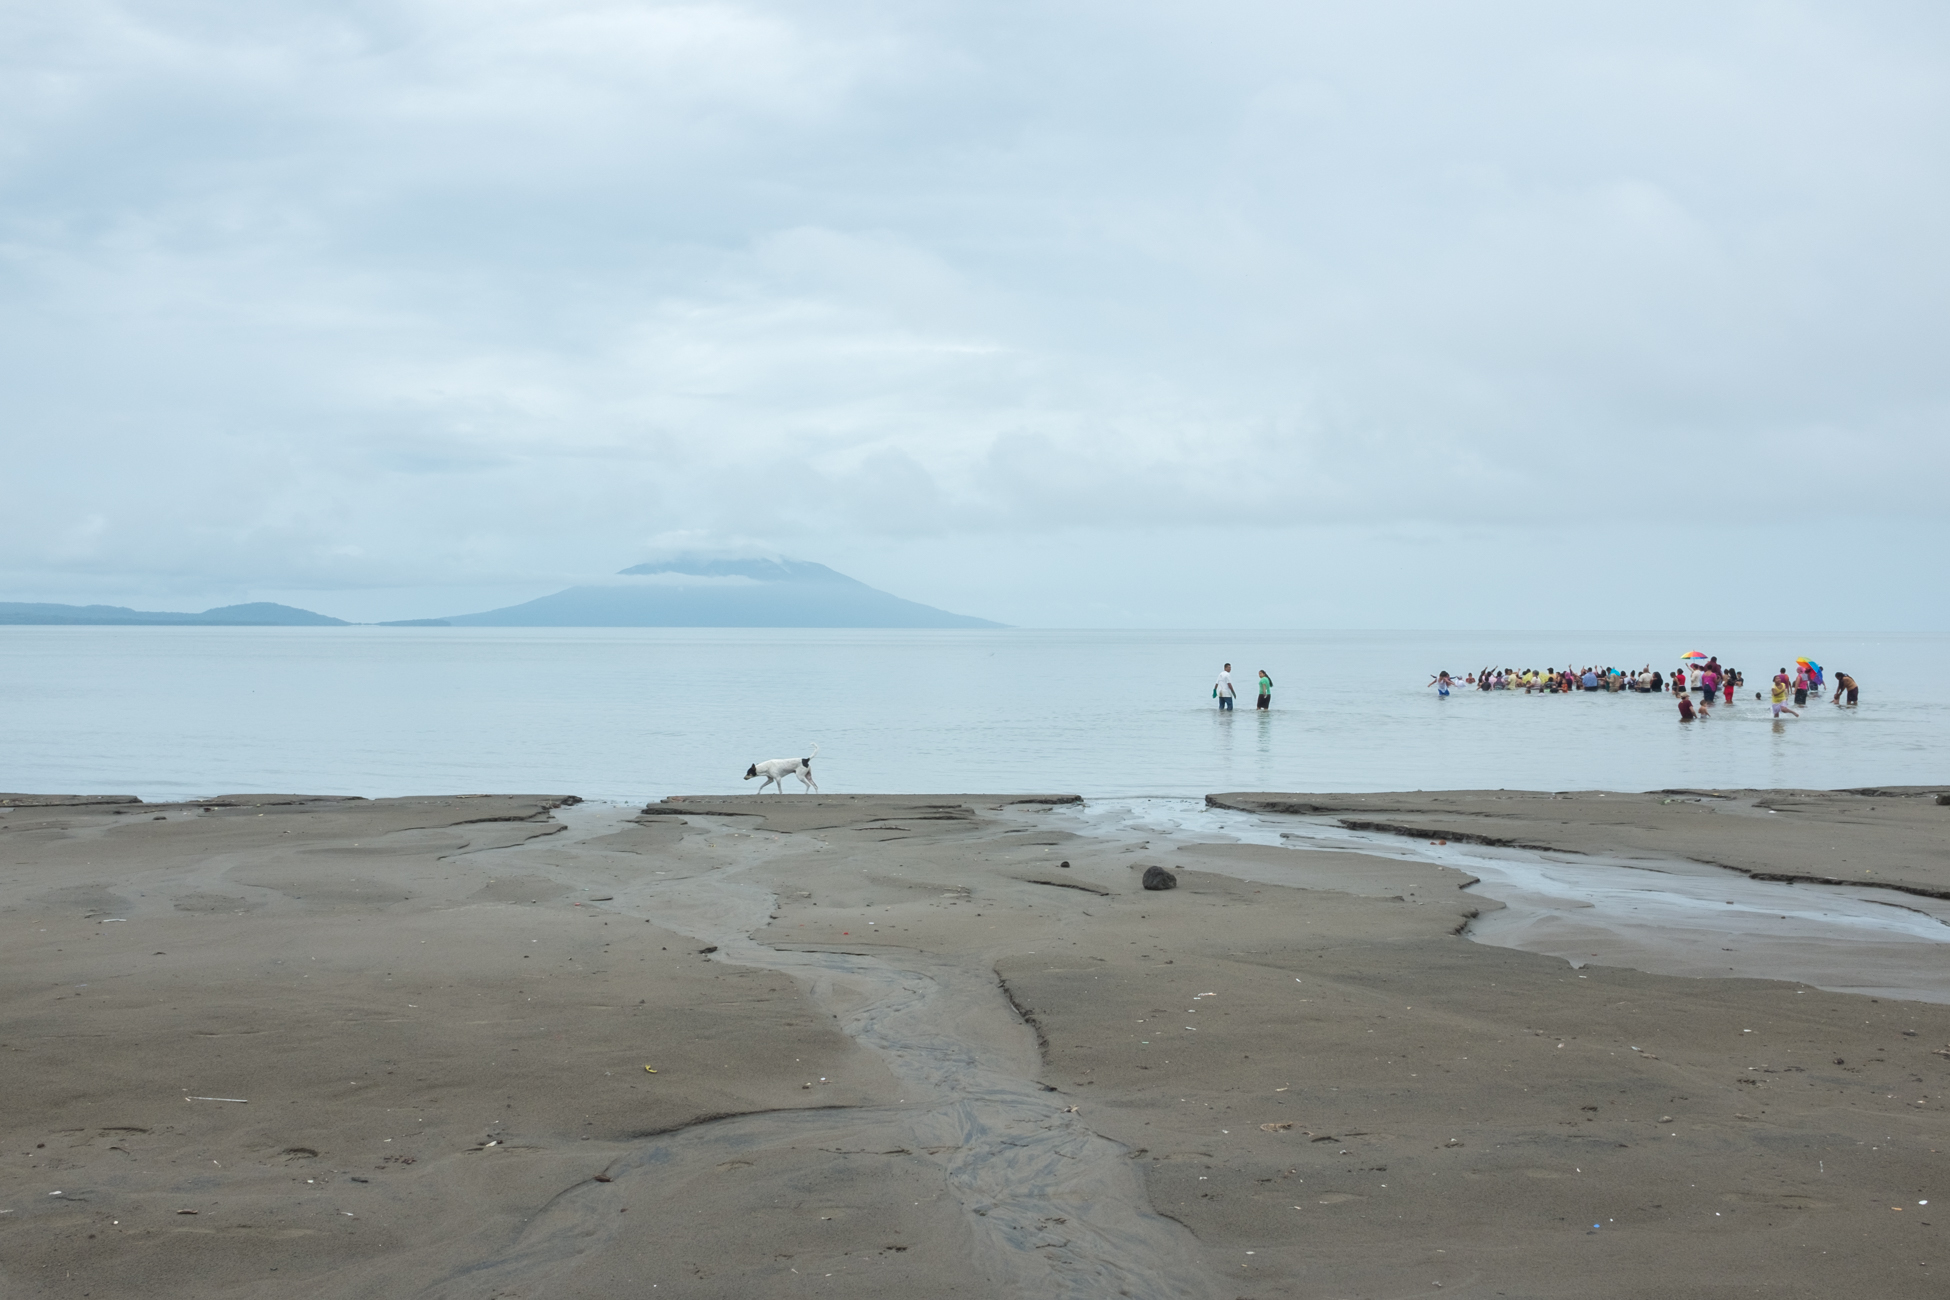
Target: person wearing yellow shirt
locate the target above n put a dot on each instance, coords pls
(1780, 697)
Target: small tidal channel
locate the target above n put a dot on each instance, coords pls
(1663, 916)
(1054, 1209)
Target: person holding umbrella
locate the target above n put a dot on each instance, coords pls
(1694, 658)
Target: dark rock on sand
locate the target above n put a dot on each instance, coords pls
(1159, 878)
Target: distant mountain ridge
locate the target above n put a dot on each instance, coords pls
(256, 614)
(706, 591)
(686, 591)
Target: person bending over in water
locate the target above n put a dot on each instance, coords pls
(1843, 682)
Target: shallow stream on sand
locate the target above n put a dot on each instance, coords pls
(1665, 916)
(1055, 1210)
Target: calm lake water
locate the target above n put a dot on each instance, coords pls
(629, 714)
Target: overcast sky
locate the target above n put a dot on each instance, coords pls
(1136, 314)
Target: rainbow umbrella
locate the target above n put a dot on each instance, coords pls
(1692, 654)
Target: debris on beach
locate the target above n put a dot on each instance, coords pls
(1159, 878)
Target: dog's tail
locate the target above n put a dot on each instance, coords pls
(810, 757)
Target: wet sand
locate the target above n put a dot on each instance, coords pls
(923, 1057)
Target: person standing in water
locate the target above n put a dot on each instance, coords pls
(1265, 691)
(1781, 694)
(1222, 690)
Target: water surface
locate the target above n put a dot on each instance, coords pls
(639, 713)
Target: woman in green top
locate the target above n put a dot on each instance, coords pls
(1265, 691)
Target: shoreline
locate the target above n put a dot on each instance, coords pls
(932, 1045)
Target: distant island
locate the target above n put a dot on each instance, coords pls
(689, 591)
(696, 591)
(258, 614)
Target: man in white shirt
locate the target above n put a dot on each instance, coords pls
(1223, 689)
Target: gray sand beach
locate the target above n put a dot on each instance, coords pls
(524, 1046)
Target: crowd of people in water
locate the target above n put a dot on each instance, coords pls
(1707, 680)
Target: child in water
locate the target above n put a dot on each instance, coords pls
(1442, 681)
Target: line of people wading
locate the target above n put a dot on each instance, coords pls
(1707, 680)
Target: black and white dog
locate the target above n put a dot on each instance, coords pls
(776, 770)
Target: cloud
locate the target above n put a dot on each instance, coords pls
(402, 295)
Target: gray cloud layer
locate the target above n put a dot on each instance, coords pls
(436, 297)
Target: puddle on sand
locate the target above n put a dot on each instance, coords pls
(1055, 1210)
(1665, 916)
